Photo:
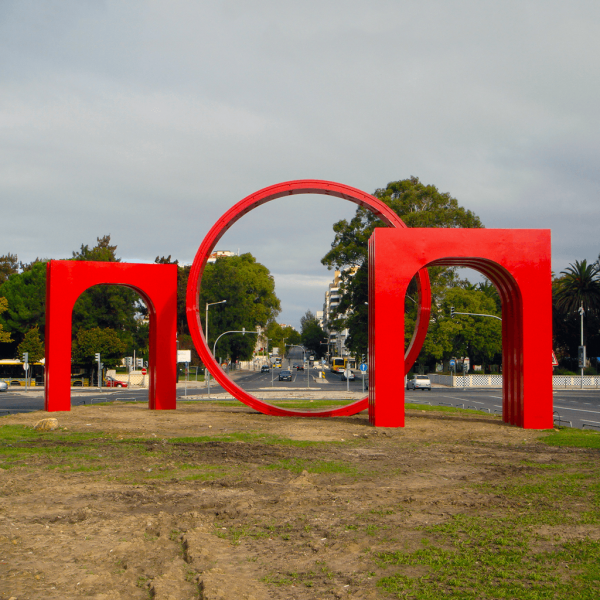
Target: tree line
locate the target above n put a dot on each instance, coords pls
(480, 339)
(112, 319)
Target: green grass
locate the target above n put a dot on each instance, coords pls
(297, 465)
(446, 409)
(574, 438)
(476, 558)
(504, 554)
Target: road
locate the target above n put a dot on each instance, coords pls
(579, 407)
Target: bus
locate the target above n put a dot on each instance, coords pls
(339, 364)
(13, 373)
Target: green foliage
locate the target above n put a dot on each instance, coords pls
(110, 306)
(280, 335)
(249, 289)
(312, 334)
(33, 345)
(480, 338)
(578, 285)
(105, 341)
(9, 265)
(4, 335)
(418, 205)
(26, 296)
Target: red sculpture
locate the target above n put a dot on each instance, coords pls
(516, 261)
(245, 206)
(66, 280)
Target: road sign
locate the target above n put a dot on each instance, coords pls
(363, 367)
(144, 371)
(184, 356)
(452, 363)
(554, 361)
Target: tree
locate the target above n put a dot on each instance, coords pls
(105, 341)
(249, 289)
(4, 335)
(110, 306)
(312, 334)
(479, 338)
(26, 296)
(578, 287)
(281, 336)
(9, 265)
(418, 205)
(33, 345)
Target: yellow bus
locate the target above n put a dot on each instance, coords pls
(13, 373)
(339, 364)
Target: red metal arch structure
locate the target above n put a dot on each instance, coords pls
(156, 284)
(516, 261)
(289, 188)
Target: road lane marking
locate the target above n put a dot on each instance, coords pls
(578, 409)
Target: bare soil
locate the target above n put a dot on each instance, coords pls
(258, 508)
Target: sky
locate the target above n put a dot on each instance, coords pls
(148, 120)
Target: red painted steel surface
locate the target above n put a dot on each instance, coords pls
(157, 284)
(516, 261)
(236, 212)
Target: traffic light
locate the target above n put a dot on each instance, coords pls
(139, 362)
(129, 360)
(25, 357)
(97, 357)
(146, 363)
(452, 312)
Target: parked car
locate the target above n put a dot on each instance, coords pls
(285, 375)
(419, 382)
(3, 386)
(264, 369)
(112, 382)
(351, 376)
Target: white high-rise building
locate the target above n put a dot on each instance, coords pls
(337, 339)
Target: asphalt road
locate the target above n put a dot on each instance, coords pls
(580, 408)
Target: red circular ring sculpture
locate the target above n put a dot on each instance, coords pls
(304, 186)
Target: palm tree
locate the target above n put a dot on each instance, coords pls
(579, 288)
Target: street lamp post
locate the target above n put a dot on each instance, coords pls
(206, 333)
(581, 313)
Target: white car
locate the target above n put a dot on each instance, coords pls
(3, 386)
(348, 375)
(419, 382)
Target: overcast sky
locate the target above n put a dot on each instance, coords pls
(148, 120)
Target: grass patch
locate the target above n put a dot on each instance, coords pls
(574, 438)
(476, 557)
(446, 409)
(297, 465)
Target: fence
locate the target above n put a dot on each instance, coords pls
(495, 381)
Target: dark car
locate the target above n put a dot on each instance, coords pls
(264, 369)
(300, 368)
(285, 376)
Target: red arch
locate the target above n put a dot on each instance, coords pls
(307, 186)
(66, 280)
(517, 261)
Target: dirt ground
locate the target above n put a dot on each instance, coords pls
(257, 507)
